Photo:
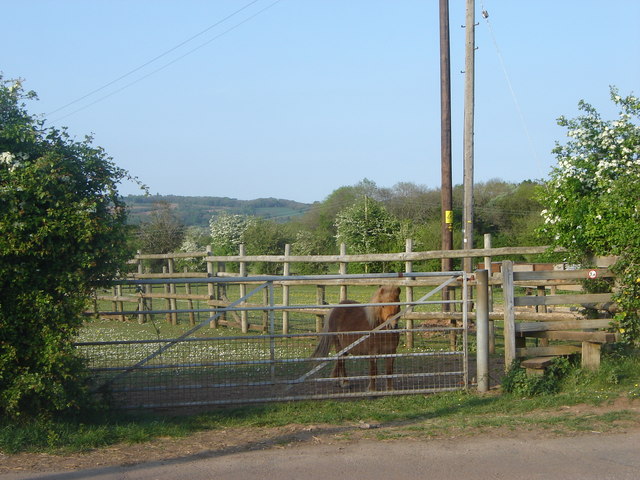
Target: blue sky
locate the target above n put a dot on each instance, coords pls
(296, 98)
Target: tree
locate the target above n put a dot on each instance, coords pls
(367, 227)
(510, 212)
(266, 237)
(227, 232)
(418, 204)
(196, 239)
(310, 243)
(162, 233)
(592, 200)
(62, 233)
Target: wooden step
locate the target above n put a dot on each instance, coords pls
(536, 365)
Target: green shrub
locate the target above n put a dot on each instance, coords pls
(62, 232)
(518, 382)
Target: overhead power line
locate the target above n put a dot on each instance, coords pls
(485, 15)
(158, 57)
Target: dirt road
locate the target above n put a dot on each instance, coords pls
(586, 456)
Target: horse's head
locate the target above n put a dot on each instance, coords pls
(386, 294)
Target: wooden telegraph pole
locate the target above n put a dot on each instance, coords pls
(445, 137)
(469, 91)
(445, 148)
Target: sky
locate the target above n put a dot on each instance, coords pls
(294, 99)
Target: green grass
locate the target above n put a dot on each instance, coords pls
(404, 416)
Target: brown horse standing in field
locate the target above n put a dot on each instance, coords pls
(359, 319)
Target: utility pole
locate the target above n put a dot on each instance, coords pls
(469, 91)
(445, 137)
(445, 148)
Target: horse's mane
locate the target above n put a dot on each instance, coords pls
(384, 294)
(373, 316)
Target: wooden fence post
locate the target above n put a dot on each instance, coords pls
(343, 271)
(172, 291)
(211, 288)
(167, 290)
(541, 292)
(509, 314)
(187, 290)
(320, 300)
(265, 313)
(244, 323)
(488, 264)
(114, 304)
(408, 268)
(139, 290)
(148, 288)
(285, 291)
(120, 304)
(591, 355)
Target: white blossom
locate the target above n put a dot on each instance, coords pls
(12, 161)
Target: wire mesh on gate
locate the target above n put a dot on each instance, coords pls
(210, 370)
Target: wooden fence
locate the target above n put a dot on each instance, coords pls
(525, 317)
(216, 295)
(572, 331)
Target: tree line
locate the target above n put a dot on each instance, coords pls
(366, 217)
(197, 211)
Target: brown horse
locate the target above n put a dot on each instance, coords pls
(360, 319)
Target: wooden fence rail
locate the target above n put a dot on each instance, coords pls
(407, 256)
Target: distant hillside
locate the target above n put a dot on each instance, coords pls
(196, 211)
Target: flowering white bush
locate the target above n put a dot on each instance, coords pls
(227, 232)
(367, 227)
(195, 240)
(593, 198)
(584, 206)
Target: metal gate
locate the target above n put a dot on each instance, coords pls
(199, 369)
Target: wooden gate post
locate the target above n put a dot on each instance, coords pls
(509, 314)
(488, 265)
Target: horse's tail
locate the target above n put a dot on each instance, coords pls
(324, 344)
